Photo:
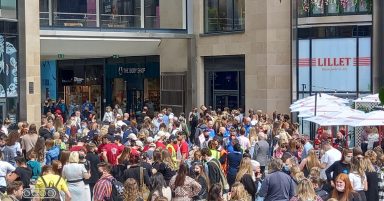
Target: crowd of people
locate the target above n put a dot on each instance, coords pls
(213, 155)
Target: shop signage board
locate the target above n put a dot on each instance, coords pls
(334, 64)
(127, 70)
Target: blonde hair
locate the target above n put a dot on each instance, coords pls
(366, 165)
(314, 172)
(312, 160)
(245, 168)
(332, 199)
(305, 190)
(73, 157)
(238, 192)
(253, 135)
(357, 168)
(131, 190)
(371, 155)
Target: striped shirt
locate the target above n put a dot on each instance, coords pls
(103, 188)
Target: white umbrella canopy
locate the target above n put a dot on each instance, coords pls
(321, 109)
(374, 98)
(375, 118)
(319, 105)
(337, 118)
(320, 98)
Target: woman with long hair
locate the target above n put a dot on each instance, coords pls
(164, 164)
(40, 150)
(202, 178)
(183, 186)
(309, 162)
(343, 189)
(12, 148)
(305, 191)
(215, 193)
(57, 167)
(372, 193)
(246, 176)
(122, 162)
(131, 191)
(238, 192)
(358, 178)
(159, 188)
(29, 140)
(64, 157)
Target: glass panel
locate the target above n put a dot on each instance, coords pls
(303, 8)
(333, 66)
(348, 6)
(8, 9)
(44, 12)
(365, 64)
(120, 14)
(12, 104)
(365, 5)
(211, 15)
(3, 108)
(333, 7)
(152, 14)
(317, 7)
(225, 15)
(74, 13)
(230, 101)
(3, 73)
(226, 80)
(11, 66)
(239, 14)
(303, 64)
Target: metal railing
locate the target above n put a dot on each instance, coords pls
(50, 17)
(310, 8)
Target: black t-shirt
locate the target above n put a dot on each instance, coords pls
(25, 175)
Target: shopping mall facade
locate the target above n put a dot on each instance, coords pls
(260, 54)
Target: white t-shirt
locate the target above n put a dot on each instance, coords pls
(329, 158)
(372, 138)
(5, 168)
(355, 179)
(244, 142)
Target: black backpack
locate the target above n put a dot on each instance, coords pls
(51, 192)
(117, 193)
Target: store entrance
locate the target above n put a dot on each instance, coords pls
(222, 100)
(135, 100)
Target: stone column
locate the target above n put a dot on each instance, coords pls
(378, 45)
(29, 61)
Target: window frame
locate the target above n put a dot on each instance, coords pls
(233, 25)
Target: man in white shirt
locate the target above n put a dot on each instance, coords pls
(330, 156)
(5, 169)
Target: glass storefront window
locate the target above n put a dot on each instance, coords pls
(224, 15)
(8, 9)
(74, 13)
(152, 14)
(120, 14)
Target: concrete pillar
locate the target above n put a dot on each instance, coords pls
(378, 45)
(29, 62)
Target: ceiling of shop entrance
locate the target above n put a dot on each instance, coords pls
(80, 48)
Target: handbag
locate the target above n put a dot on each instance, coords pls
(143, 188)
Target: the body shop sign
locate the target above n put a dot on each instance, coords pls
(334, 63)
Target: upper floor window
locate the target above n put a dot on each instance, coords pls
(311, 8)
(8, 9)
(224, 15)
